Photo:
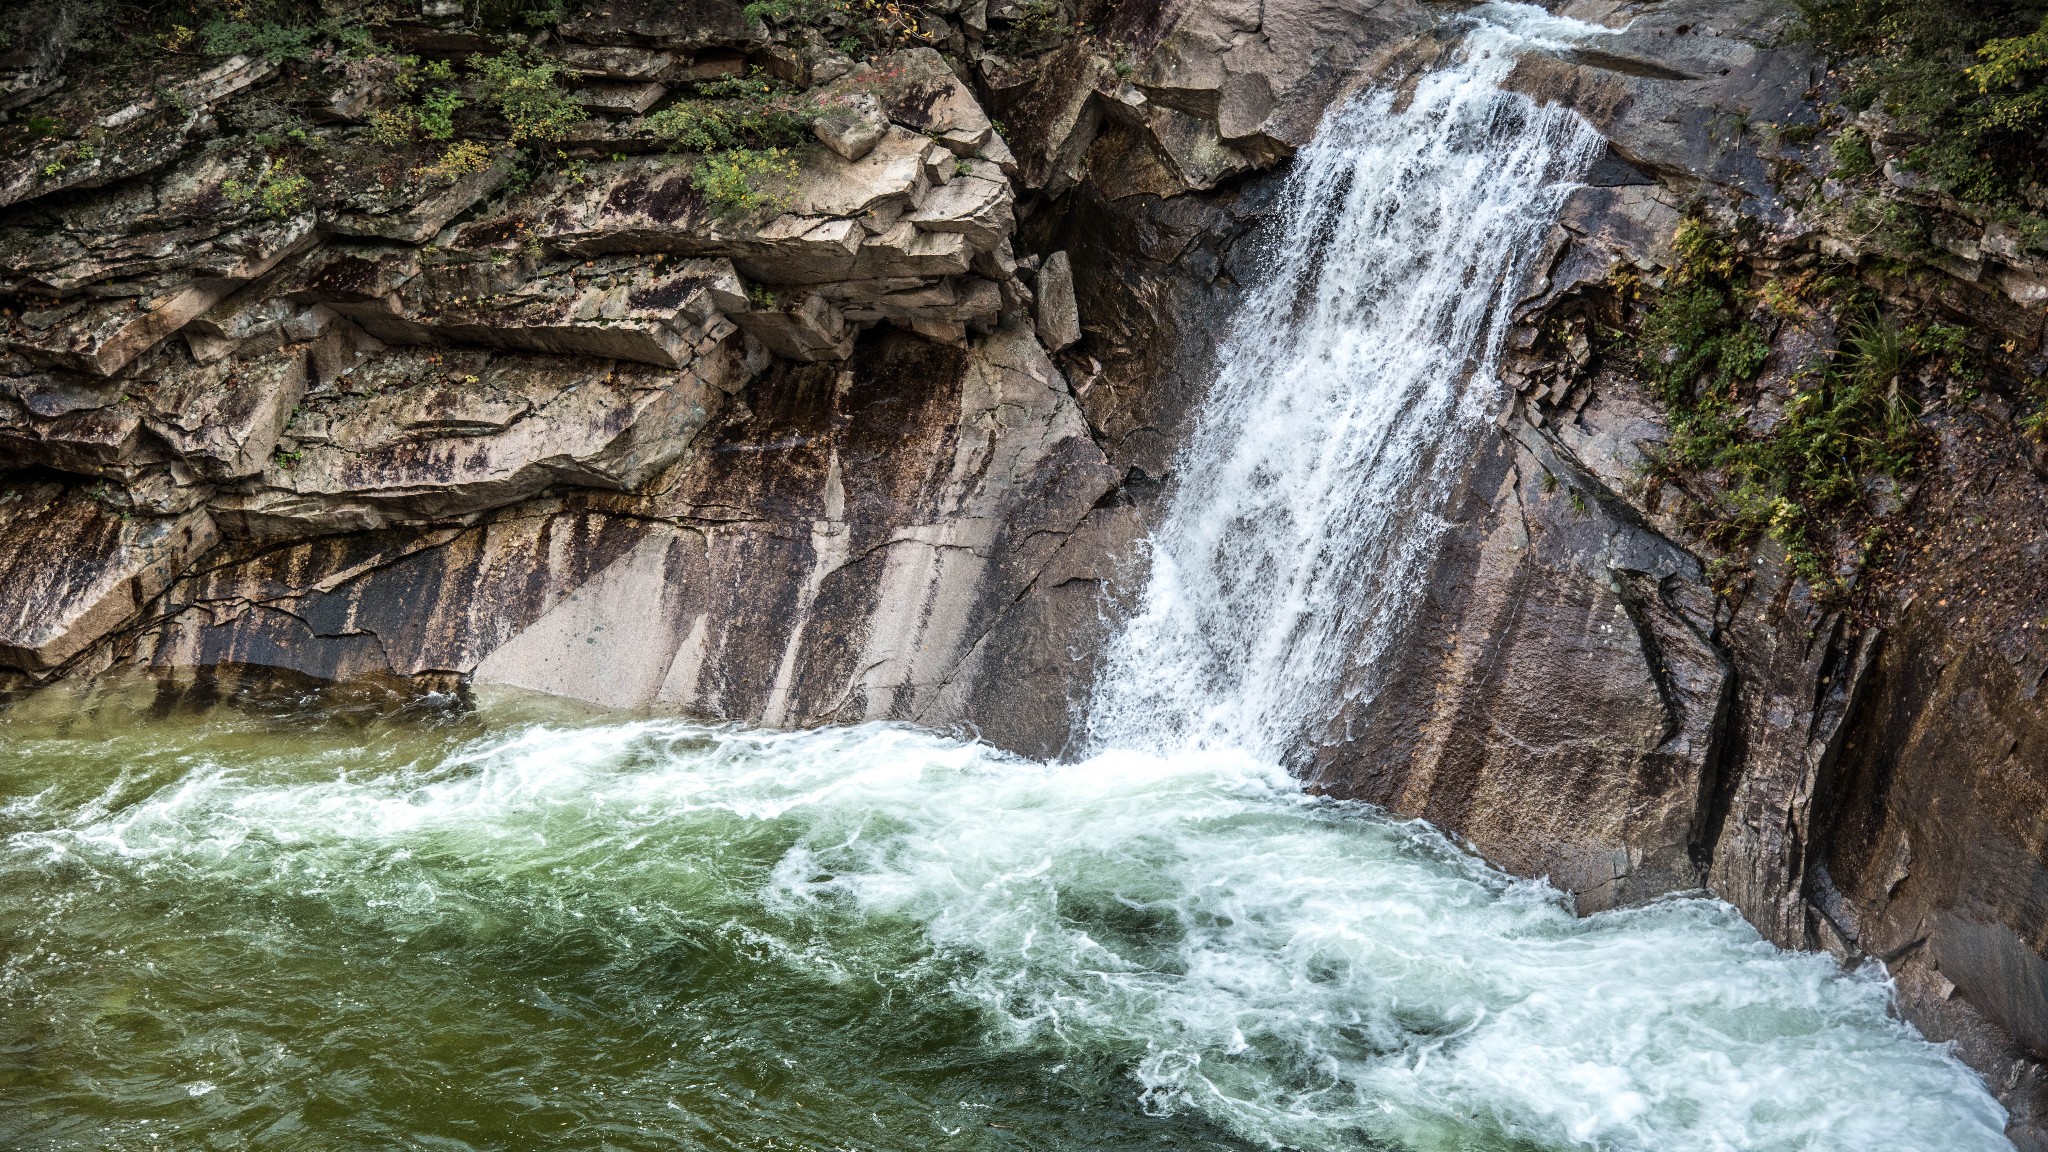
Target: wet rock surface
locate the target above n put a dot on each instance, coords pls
(889, 447)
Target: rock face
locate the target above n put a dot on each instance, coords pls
(399, 426)
(577, 427)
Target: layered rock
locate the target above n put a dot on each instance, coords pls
(841, 552)
(236, 403)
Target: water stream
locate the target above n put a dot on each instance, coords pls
(1307, 501)
(309, 928)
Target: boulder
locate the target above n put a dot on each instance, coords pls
(800, 326)
(1059, 318)
(976, 203)
(916, 89)
(624, 98)
(853, 131)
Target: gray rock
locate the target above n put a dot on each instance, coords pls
(620, 97)
(416, 437)
(852, 132)
(1059, 318)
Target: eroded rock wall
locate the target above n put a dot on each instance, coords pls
(557, 422)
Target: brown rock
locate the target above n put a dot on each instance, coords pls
(73, 571)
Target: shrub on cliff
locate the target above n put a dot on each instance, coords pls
(741, 182)
(1798, 478)
(745, 129)
(736, 113)
(276, 191)
(1965, 81)
(524, 87)
(430, 100)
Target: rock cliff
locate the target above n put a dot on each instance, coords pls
(875, 431)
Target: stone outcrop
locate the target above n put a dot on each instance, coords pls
(391, 423)
(843, 551)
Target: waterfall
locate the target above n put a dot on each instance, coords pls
(1306, 504)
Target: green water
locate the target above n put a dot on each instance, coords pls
(292, 927)
(563, 982)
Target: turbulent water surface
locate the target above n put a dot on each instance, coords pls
(242, 930)
(300, 928)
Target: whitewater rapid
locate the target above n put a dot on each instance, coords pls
(1301, 973)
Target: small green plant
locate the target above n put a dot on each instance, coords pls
(743, 113)
(704, 126)
(519, 13)
(2034, 425)
(237, 33)
(1851, 153)
(273, 42)
(432, 102)
(462, 158)
(1697, 336)
(276, 192)
(742, 182)
(523, 85)
(78, 153)
(1849, 417)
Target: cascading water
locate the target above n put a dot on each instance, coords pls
(513, 931)
(1308, 499)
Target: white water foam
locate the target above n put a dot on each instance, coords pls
(1306, 973)
(1307, 503)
